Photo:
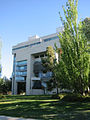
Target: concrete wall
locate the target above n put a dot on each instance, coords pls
(36, 92)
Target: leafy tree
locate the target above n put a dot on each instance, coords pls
(2, 87)
(49, 63)
(5, 86)
(75, 60)
(86, 28)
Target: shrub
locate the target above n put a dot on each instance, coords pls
(58, 96)
(73, 98)
(55, 96)
(2, 96)
(86, 98)
(5, 86)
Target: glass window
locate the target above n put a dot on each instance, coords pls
(27, 46)
(20, 47)
(42, 55)
(24, 62)
(21, 68)
(37, 56)
(49, 39)
(21, 73)
(34, 44)
(45, 75)
(19, 79)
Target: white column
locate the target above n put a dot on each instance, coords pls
(14, 83)
(15, 87)
(31, 71)
(28, 76)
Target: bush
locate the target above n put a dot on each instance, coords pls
(86, 99)
(73, 98)
(2, 97)
(55, 96)
(58, 96)
(5, 86)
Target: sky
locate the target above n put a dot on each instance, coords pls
(20, 19)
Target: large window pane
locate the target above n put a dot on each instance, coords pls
(21, 63)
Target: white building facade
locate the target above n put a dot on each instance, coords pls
(27, 67)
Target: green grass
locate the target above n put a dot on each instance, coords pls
(44, 108)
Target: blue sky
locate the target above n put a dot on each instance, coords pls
(20, 19)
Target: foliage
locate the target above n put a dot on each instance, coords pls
(75, 60)
(86, 28)
(2, 96)
(55, 96)
(5, 86)
(73, 97)
(49, 63)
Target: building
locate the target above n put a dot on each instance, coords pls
(27, 68)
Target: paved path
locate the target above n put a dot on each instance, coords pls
(12, 118)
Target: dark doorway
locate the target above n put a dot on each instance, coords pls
(21, 87)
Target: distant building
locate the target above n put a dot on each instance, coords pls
(27, 67)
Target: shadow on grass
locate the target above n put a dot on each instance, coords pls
(45, 109)
(32, 97)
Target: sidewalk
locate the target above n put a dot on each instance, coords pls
(12, 118)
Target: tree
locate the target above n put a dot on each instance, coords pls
(5, 85)
(86, 28)
(75, 60)
(49, 63)
(2, 87)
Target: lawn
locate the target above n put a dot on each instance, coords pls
(44, 108)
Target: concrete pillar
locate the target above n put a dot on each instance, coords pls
(30, 74)
(15, 88)
(14, 83)
(31, 71)
(13, 78)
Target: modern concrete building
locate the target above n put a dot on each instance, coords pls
(27, 68)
